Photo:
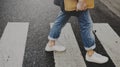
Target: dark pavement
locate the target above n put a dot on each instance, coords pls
(39, 13)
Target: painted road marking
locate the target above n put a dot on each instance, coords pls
(110, 41)
(12, 44)
(72, 57)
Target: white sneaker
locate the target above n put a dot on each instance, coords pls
(54, 48)
(97, 58)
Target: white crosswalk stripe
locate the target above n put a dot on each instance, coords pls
(12, 44)
(110, 41)
(73, 57)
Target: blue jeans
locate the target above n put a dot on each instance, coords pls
(86, 25)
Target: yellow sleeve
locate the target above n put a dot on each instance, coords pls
(70, 5)
(90, 3)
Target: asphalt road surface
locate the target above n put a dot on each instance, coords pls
(39, 13)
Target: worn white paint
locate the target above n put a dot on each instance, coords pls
(113, 5)
(12, 44)
(72, 57)
(110, 41)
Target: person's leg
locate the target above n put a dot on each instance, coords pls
(86, 30)
(55, 31)
(86, 25)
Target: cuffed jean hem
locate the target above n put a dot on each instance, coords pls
(92, 47)
(50, 38)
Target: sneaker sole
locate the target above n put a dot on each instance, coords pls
(97, 62)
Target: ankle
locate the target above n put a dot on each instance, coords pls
(90, 52)
(51, 43)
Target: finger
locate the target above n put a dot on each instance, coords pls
(85, 7)
(77, 9)
(82, 8)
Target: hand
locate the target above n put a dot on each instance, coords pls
(81, 5)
